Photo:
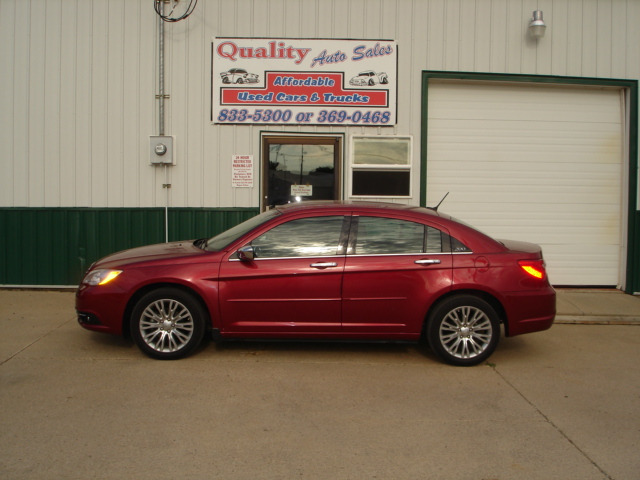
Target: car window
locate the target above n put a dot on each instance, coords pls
(450, 244)
(388, 236)
(305, 237)
(380, 236)
(434, 241)
(220, 241)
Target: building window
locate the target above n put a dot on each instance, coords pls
(300, 168)
(380, 166)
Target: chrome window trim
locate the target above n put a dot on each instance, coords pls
(406, 254)
(359, 255)
(289, 258)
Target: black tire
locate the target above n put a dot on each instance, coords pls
(168, 323)
(463, 330)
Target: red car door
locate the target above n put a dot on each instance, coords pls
(393, 271)
(293, 284)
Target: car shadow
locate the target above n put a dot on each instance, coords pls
(247, 347)
(276, 346)
(515, 348)
(309, 345)
(110, 341)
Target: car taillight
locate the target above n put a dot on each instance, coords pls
(535, 268)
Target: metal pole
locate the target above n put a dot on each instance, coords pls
(161, 71)
(161, 112)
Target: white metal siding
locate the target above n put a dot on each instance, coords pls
(78, 80)
(534, 163)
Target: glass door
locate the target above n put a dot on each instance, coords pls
(298, 169)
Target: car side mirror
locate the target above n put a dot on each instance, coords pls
(246, 253)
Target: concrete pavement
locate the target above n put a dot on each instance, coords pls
(597, 306)
(564, 403)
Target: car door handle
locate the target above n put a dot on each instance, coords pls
(432, 261)
(324, 265)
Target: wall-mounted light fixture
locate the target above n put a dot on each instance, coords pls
(537, 25)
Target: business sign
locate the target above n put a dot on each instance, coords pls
(242, 171)
(304, 81)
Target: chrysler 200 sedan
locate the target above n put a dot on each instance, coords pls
(327, 271)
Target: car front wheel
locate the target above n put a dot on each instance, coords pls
(167, 323)
(463, 330)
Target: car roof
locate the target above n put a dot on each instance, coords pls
(344, 205)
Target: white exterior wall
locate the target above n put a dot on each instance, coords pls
(78, 81)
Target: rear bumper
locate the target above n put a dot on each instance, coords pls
(529, 311)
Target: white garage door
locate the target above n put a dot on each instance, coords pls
(535, 163)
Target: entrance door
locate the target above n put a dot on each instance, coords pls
(297, 169)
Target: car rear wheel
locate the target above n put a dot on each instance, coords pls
(463, 330)
(167, 323)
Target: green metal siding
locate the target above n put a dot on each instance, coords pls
(633, 272)
(54, 246)
(188, 223)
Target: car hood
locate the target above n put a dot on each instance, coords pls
(161, 251)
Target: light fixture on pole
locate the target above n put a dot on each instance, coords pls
(537, 25)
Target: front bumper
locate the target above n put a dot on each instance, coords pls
(100, 309)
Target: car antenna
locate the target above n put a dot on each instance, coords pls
(435, 209)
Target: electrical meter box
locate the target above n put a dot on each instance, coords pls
(161, 151)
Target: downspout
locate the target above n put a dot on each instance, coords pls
(160, 149)
(161, 71)
(161, 113)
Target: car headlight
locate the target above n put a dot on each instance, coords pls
(100, 276)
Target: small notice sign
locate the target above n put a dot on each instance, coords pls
(301, 190)
(242, 171)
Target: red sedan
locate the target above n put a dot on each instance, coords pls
(318, 270)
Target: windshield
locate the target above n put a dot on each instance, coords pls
(217, 243)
